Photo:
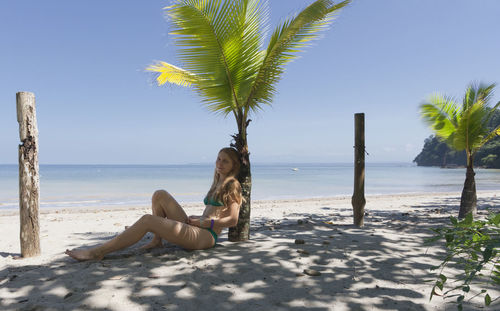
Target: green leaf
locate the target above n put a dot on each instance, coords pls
(434, 292)
(474, 256)
(487, 299)
(496, 219)
(460, 298)
(439, 285)
(443, 278)
(453, 220)
(449, 237)
(488, 251)
(289, 38)
(467, 220)
(475, 237)
(221, 50)
(466, 288)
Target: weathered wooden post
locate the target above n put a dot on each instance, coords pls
(358, 198)
(29, 181)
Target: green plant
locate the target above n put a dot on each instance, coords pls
(472, 245)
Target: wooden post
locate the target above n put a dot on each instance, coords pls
(358, 198)
(29, 181)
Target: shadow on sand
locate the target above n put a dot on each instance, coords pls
(361, 269)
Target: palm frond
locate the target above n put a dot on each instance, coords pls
(492, 111)
(200, 27)
(477, 92)
(220, 48)
(472, 127)
(494, 133)
(465, 127)
(220, 42)
(243, 47)
(441, 114)
(166, 72)
(286, 41)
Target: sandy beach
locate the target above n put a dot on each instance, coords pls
(382, 266)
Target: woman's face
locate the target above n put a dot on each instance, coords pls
(223, 165)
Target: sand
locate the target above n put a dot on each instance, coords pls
(382, 266)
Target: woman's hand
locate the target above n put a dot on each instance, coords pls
(193, 221)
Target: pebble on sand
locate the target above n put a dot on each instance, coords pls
(312, 272)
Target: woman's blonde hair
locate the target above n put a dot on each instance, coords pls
(230, 189)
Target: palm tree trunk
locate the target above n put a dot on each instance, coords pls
(242, 230)
(468, 200)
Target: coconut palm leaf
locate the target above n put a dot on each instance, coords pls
(490, 136)
(492, 111)
(472, 127)
(200, 29)
(464, 127)
(441, 114)
(221, 49)
(221, 43)
(287, 40)
(172, 74)
(477, 92)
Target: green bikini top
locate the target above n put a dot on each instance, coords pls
(212, 202)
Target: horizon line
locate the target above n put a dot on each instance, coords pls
(211, 163)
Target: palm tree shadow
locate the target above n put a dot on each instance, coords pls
(361, 269)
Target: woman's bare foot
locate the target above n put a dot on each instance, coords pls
(153, 244)
(82, 254)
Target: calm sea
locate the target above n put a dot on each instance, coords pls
(65, 186)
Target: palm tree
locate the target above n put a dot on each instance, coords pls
(221, 48)
(463, 127)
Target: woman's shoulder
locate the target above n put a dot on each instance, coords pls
(231, 183)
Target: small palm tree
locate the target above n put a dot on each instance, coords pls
(221, 48)
(463, 127)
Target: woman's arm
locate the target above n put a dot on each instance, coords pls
(194, 220)
(224, 222)
(228, 221)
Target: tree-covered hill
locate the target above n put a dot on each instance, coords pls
(436, 153)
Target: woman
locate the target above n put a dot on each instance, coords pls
(170, 222)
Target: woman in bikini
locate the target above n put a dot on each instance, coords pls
(170, 222)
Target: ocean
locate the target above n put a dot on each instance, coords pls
(66, 186)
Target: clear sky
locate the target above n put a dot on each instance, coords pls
(85, 62)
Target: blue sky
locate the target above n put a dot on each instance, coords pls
(85, 61)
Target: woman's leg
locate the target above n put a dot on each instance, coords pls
(164, 205)
(179, 233)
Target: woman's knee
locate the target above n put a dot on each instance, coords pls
(159, 195)
(146, 219)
